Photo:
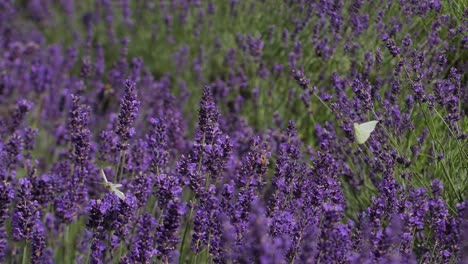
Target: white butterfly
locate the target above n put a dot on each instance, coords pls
(363, 131)
(113, 187)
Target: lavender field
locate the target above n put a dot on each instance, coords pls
(233, 131)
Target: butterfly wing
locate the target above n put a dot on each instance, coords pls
(363, 131)
(117, 192)
(113, 186)
(369, 126)
(104, 176)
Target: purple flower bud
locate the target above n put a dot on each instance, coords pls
(86, 70)
(284, 36)
(255, 47)
(334, 238)
(109, 18)
(128, 114)
(392, 47)
(168, 189)
(142, 248)
(3, 243)
(157, 140)
(407, 40)
(17, 116)
(38, 246)
(258, 246)
(80, 135)
(26, 213)
(13, 150)
(166, 235)
(300, 78)
(127, 13)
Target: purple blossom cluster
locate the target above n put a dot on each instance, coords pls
(105, 160)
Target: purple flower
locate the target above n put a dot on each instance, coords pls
(284, 36)
(392, 47)
(100, 61)
(255, 47)
(87, 69)
(38, 246)
(378, 57)
(325, 184)
(309, 247)
(125, 214)
(80, 135)
(3, 243)
(109, 18)
(289, 168)
(303, 82)
(26, 213)
(29, 136)
(13, 151)
(205, 213)
(142, 247)
(462, 221)
(65, 206)
(7, 194)
(136, 66)
(362, 89)
(128, 114)
(334, 238)
(98, 249)
(168, 189)
(208, 117)
(141, 188)
(138, 160)
(250, 180)
(166, 236)
(211, 148)
(257, 246)
(104, 215)
(126, 12)
(108, 146)
(43, 188)
(157, 145)
(419, 206)
(407, 40)
(17, 116)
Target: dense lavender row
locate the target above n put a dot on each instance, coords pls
(267, 170)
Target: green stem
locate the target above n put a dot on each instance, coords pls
(120, 250)
(66, 238)
(208, 249)
(161, 216)
(39, 111)
(89, 252)
(118, 168)
(185, 235)
(447, 175)
(25, 253)
(392, 142)
(117, 173)
(320, 99)
(451, 132)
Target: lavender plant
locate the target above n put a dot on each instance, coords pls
(236, 131)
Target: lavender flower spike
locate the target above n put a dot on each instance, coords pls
(128, 114)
